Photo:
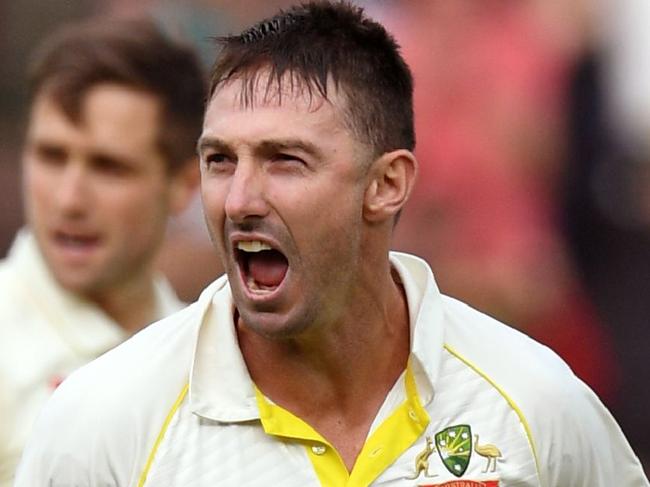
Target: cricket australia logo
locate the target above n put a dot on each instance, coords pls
(454, 445)
(422, 460)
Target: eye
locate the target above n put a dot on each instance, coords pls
(50, 154)
(288, 158)
(111, 166)
(216, 161)
(214, 158)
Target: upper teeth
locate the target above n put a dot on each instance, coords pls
(253, 246)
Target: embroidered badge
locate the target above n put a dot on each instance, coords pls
(454, 445)
(422, 460)
(489, 451)
(465, 483)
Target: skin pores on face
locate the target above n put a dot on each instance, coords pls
(97, 192)
(286, 178)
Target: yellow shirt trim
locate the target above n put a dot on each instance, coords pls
(503, 393)
(161, 434)
(387, 443)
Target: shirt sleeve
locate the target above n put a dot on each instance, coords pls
(583, 446)
(74, 443)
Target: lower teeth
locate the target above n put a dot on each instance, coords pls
(255, 286)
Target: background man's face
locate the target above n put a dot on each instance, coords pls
(97, 192)
(286, 178)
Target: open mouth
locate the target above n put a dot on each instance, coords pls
(76, 242)
(262, 267)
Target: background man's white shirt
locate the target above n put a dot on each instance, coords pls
(45, 334)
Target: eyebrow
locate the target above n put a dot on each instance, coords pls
(210, 143)
(263, 147)
(94, 153)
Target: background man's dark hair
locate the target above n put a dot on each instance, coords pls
(310, 43)
(133, 53)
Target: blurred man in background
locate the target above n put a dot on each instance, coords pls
(116, 109)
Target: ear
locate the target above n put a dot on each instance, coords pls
(392, 177)
(184, 183)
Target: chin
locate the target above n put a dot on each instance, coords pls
(75, 283)
(77, 287)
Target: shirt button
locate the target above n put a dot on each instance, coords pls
(413, 416)
(319, 449)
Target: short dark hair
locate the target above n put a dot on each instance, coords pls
(314, 41)
(136, 54)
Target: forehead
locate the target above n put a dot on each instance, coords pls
(110, 115)
(289, 103)
(263, 84)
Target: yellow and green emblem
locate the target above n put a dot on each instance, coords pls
(454, 445)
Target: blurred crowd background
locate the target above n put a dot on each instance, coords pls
(533, 126)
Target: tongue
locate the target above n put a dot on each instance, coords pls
(267, 268)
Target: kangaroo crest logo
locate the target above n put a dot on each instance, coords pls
(454, 445)
(422, 461)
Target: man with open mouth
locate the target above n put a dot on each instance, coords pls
(321, 357)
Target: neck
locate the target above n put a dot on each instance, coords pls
(375, 322)
(352, 364)
(132, 306)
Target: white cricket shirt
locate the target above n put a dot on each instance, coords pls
(479, 404)
(45, 333)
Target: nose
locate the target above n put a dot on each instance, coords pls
(72, 189)
(246, 195)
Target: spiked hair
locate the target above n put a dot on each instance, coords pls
(313, 43)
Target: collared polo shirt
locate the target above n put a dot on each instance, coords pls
(479, 404)
(45, 334)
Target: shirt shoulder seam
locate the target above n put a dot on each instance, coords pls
(515, 407)
(161, 435)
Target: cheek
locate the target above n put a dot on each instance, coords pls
(36, 183)
(135, 207)
(338, 228)
(213, 201)
(38, 194)
(327, 235)
(331, 212)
